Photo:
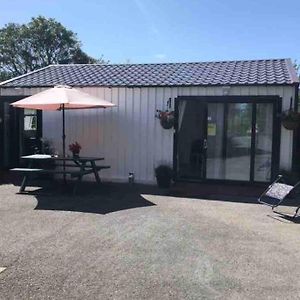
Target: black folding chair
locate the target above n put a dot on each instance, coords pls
(277, 192)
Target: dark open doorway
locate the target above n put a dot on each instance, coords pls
(20, 132)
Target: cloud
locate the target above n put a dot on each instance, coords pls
(160, 56)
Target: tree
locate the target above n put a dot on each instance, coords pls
(27, 47)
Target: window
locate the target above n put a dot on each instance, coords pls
(30, 120)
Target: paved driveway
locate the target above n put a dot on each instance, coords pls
(118, 244)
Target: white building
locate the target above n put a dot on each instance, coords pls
(227, 118)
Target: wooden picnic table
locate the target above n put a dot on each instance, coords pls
(82, 165)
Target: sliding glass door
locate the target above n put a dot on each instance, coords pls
(226, 140)
(229, 144)
(191, 140)
(263, 141)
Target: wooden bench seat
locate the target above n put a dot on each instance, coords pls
(26, 170)
(78, 166)
(73, 173)
(29, 172)
(87, 170)
(102, 167)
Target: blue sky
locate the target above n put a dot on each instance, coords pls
(172, 30)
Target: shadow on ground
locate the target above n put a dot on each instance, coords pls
(110, 197)
(241, 193)
(285, 218)
(7, 177)
(91, 198)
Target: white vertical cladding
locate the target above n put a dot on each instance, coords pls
(234, 91)
(286, 138)
(157, 134)
(136, 132)
(52, 124)
(84, 126)
(142, 156)
(123, 136)
(116, 142)
(286, 144)
(129, 126)
(130, 137)
(108, 132)
(168, 134)
(253, 90)
(152, 128)
(160, 133)
(245, 91)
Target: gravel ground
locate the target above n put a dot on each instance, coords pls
(128, 243)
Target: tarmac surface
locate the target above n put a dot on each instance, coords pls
(133, 243)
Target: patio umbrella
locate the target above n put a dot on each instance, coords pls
(60, 98)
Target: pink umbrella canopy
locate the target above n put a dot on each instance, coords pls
(62, 97)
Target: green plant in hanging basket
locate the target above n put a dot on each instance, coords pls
(290, 119)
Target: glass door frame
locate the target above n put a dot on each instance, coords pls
(276, 132)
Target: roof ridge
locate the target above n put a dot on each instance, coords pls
(172, 63)
(23, 75)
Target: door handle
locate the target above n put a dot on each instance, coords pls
(204, 144)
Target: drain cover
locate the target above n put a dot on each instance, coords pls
(2, 269)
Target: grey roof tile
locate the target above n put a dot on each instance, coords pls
(251, 72)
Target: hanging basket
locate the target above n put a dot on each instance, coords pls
(290, 120)
(166, 119)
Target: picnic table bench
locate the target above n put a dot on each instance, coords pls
(84, 165)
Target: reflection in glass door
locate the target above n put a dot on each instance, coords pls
(229, 141)
(215, 155)
(263, 142)
(191, 142)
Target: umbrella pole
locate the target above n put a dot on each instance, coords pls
(64, 142)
